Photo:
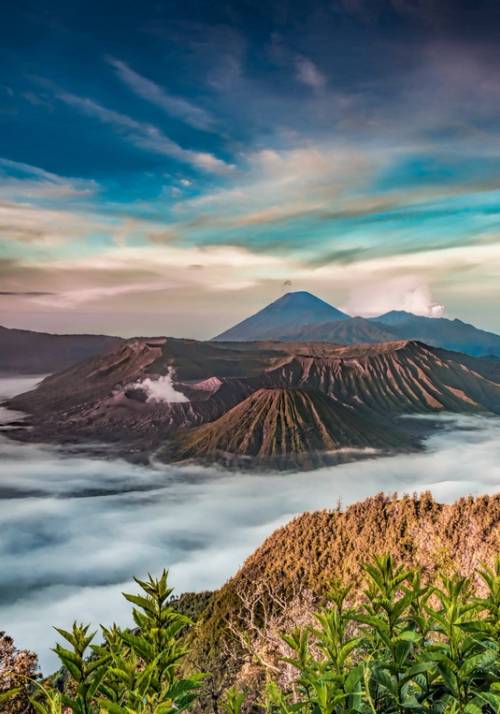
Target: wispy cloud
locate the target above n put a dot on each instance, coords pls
(155, 94)
(67, 299)
(25, 181)
(24, 293)
(26, 223)
(145, 135)
(308, 73)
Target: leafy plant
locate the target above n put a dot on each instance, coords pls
(134, 671)
(142, 673)
(409, 647)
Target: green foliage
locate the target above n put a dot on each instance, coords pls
(234, 701)
(142, 673)
(408, 648)
(134, 671)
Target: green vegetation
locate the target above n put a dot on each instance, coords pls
(133, 671)
(289, 576)
(407, 647)
(392, 644)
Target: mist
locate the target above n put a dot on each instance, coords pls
(76, 529)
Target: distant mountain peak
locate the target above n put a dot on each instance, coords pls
(293, 308)
(302, 296)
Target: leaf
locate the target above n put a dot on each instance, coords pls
(480, 661)
(9, 694)
(449, 678)
(144, 603)
(111, 707)
(384, 679)
(409, 636)
(492, 699)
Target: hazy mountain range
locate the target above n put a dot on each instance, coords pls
(302, 316)
(295, 317)
(28, 352)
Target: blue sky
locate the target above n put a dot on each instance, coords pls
(171, 167)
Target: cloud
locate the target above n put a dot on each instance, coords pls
(150, 91)
(280, 185)
(68, 299)
(308, 73)
(127, 276)
(115, 520)
(26, 223)
(26, 182)
(146, 136)
(407, 292)
(25, 293)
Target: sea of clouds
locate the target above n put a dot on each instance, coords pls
(76, 529)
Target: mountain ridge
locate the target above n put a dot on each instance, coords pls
(287, 324)
(29, 352)
(106, 398)
(288, 577)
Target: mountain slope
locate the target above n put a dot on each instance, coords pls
(394, 378)
(27, 352)
(283, 581)
(283, 428)
(349, 331)
(108, 399)
(296, 308)
(300, 316)
(441, 332)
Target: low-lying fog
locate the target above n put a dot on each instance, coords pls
(76, 529)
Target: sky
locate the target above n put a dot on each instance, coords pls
(170, 168)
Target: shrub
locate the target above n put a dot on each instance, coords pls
(133, 671)
(18, 674)
(410, 646)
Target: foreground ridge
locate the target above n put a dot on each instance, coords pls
(282, 583)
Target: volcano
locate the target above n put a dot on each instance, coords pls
(281, 404)
(283, 428)
(303, 317)
(298, 308)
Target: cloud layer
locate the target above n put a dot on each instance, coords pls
(75, 529)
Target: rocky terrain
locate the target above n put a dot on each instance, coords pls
(304, 402)
(285, 428)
